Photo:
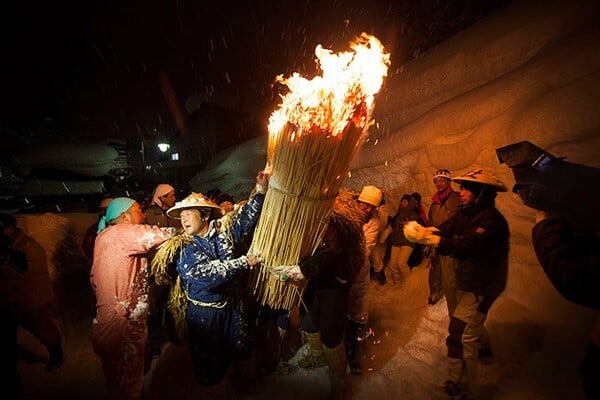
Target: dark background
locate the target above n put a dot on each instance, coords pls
(91, 68)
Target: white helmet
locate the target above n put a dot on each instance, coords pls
(371, 195)
(442, 173)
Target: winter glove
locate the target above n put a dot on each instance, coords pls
(416, 233)
(285, 272)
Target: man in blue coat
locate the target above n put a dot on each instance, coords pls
(205, 266)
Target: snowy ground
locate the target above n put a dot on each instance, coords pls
(449, 109)
(404, 358)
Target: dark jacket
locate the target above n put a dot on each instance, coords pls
(571, 259)
(477, 237)
(156, 216)
(403, 216)
(326, 270)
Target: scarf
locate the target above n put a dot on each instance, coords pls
(441, 197)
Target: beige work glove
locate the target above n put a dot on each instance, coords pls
(417, 233)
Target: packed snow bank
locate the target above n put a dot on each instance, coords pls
(234, 170)
(528, 72)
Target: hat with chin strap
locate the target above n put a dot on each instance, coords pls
(482, 176)
(195, 201)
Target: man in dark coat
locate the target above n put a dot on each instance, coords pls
(570, 257)
(477, 237)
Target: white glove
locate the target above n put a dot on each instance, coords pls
(417, 233)
(432, 229)
(285, 272)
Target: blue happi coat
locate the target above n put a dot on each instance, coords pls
(206, 267)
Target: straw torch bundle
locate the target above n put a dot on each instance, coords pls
(313, 136)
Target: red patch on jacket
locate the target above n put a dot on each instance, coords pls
(480, 230)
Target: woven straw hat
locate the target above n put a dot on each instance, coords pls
(371, 195)
(483, 176)
(195, 200)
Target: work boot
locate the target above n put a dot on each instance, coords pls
(336, 360)
(355, 367)
(352, 347)
(453, 389)
(315, 357)
(363, 332)
(485, 355)
(56, 356)
(379, 277)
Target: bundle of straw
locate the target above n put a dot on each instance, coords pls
(310, 147)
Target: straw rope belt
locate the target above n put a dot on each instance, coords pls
(312, 198)
(218, 304)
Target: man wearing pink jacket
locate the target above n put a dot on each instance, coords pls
(119, 279)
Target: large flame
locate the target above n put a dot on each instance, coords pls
(343, 93)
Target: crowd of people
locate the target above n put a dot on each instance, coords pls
(176, 271)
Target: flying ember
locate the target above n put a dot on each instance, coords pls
(344, 92)
(307, 165)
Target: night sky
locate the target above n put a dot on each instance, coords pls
(90, 68)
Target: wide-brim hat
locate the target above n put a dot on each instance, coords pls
(482, 176)
(197, 201)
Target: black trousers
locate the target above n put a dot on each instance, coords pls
(9, 376)
(327, 314)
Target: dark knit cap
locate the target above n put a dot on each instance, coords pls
(224, 197)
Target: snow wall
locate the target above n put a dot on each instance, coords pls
(530, 71)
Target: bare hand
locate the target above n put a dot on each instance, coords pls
(263, 179)
(253, 259)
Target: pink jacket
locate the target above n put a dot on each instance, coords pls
(119, 270)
